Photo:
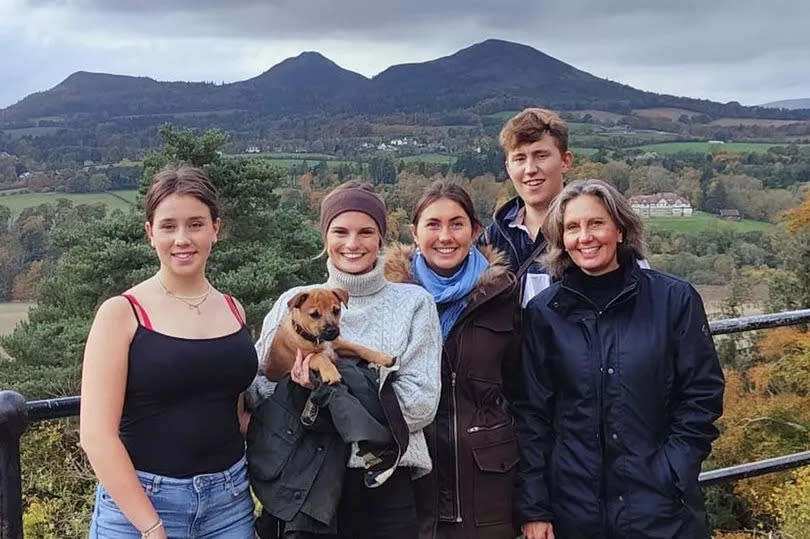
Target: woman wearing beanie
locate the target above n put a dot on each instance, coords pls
(468, 495)
(398, 319)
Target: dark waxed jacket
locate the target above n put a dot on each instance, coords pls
(471, 441)
(298, 443)
(619, 410)
(512, 241)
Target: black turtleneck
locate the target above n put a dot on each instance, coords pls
(600, 289)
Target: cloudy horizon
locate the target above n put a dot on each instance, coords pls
(742, 51)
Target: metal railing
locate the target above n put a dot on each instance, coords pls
(16, 415)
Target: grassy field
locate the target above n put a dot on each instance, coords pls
(17, 202)
(11, 313)
(705, 147)
(702, 221)
(585, 152)
(428, 158)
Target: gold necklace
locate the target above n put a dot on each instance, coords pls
(193, 302)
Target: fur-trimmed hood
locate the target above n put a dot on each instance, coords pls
(399, 269)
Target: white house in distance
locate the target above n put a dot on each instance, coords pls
(661, 205)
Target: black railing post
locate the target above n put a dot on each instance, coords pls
(13, 421)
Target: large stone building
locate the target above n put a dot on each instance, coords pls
(661, 205)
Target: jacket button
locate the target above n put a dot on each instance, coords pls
(319, 448)
(289, 432)
(614, 436)
(610, 370)
(621, 498)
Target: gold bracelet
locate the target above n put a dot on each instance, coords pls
(146, 534)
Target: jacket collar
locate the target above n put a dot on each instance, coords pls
(568, 298)
(398, 269)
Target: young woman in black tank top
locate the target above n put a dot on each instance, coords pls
(165, 367)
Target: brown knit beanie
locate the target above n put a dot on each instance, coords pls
(354, 197)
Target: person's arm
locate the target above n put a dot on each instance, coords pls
(104, 379)
(699, 386)
(533, 411)
(418, 381)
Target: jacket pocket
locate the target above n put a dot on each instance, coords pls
(493, 482)
(272, 437)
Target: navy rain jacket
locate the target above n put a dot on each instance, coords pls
(618, 411)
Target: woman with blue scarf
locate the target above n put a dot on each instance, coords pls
(468, 495)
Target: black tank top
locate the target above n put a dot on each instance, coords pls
(180, 407)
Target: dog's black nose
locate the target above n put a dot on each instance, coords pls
(330, 333)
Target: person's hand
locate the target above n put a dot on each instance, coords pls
(300, 369)
(537, 530)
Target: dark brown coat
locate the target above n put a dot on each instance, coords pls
(468, 495)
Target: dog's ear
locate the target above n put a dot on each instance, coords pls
(297, 300)
(342, 295)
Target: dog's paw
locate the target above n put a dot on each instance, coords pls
(387, 361)
(331, 378)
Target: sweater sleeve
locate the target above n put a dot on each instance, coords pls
(418, 381)
(261, 388)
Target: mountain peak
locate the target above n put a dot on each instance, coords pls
(309, 67)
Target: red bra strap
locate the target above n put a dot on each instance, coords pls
(234, 310)
(140, 312)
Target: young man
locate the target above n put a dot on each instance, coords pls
(535, 142)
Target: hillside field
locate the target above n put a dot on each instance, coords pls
(700, 221)
(113, 199)
(705, 147)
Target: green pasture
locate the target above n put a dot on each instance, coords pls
(584, 152)
(114, 200)
(503, 115)
(428, 158)
(11, 313)
(705, 147)
(700, 221)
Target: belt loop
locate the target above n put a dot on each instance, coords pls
(229, 481)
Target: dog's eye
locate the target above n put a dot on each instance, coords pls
(315, 315)
(336, 311)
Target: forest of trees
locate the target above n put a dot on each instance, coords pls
(69, 258)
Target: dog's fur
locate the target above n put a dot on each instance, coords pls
(317, 313)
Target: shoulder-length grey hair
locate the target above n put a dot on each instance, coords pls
(632, 247)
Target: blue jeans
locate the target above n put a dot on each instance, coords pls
(210, 506)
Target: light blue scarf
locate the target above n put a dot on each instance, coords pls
(450, 293)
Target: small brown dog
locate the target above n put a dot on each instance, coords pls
(312, 325)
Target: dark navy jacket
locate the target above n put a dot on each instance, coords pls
(514, 242)
(618, 411)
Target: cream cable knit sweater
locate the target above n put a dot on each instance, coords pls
(399, 319)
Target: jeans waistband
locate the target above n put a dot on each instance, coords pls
(154, 482)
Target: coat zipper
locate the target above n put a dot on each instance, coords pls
(487, 428)
(600, 430)
(455, 445)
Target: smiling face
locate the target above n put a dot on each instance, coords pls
(536, 170)
(590, 235)
(353, 242)
(444, 234)
(182, 233)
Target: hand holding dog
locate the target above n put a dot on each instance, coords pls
(537, 530)
(300, 369)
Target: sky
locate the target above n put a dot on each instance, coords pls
(751, 51)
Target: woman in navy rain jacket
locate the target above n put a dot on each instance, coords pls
(622, 384)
